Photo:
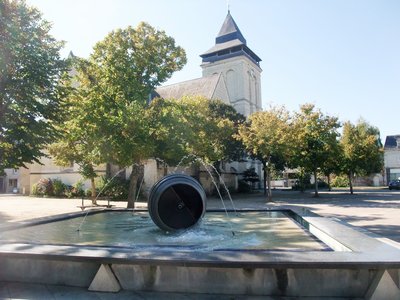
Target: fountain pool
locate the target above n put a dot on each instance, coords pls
(283, 252)
(253, 231)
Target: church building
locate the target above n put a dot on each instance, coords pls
(231, 73)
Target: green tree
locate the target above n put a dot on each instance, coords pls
(169, 130)
(267, 136)
(362, 150)
(113, 90)
(77, 142)
(195, 125)
(232, 148)
(315, 135)
(333, 162)
(213, 125)
(30, 92)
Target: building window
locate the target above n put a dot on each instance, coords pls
(13, 183)
(394, 174)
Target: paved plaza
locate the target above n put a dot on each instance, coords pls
(374, 210)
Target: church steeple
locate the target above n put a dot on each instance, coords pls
(229, 42)
(238, 66)
(229, 31)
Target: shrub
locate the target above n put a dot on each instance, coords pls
(340, 181)
(250, 175)
(68, 191)
(88, 193)
(115, 189)
(58, 188)
(243, 187)
(34, 189)
(77, 189)
(44, 187)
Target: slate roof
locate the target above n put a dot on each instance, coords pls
(204, 86)
(229, 43)
(391, 141)
(229, 31)
(222, 46)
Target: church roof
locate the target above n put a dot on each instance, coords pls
(391, 141)
(229, 31)
(222, 46)
(229, 43)
(204, 86)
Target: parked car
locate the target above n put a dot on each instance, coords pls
(394, 184)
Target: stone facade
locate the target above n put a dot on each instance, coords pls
(9, 181)
(242, 78)
(48, 169)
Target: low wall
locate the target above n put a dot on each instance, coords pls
(301, 281)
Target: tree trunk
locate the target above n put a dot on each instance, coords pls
(93, 188)
(133, 179)
(165, 167)
(265, 177)
(350, 182)
(269, 184)
(329, 182)
(316, 184)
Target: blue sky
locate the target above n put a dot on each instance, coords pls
(342, 55)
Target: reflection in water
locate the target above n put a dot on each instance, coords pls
(253, 231)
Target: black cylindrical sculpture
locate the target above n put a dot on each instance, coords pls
(176, 202)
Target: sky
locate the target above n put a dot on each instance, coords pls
(341, 55)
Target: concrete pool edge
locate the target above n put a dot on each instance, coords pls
(280, 271)
(351, 247)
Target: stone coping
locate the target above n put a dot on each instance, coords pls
(353, 249)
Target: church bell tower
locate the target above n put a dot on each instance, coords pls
(238, 65)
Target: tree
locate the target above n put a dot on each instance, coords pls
(362, 150)
(195, 125)
(233, 149)
(315, 137)
(267, 135)
(114, 85)
(333, 162)
(30, 92)
(77, 142)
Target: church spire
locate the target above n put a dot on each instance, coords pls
(228, 43)
(229, 31)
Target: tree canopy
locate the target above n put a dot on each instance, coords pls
(195, 125)
(362, 150)
(108, 115)
(30, 92)
(267, 136)
(315, 136)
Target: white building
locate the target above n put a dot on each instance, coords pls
(392, 157)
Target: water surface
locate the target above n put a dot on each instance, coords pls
(254, 231)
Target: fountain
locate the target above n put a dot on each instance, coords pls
(275, 252)
(176, 202)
